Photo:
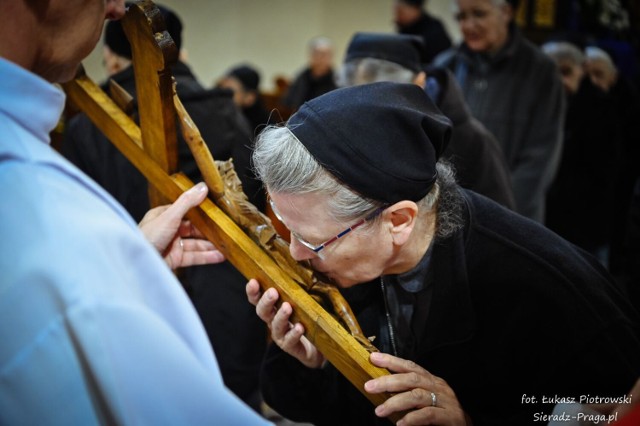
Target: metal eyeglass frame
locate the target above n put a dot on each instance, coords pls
(318, 248)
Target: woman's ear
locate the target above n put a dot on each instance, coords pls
(402, 219)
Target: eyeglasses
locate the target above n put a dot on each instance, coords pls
(318, 248)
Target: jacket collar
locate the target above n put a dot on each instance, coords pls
(22, 93)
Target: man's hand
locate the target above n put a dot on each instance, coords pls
(180, 243)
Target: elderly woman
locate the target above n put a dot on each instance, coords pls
(600, 67)
(513, 89)
(495, 311)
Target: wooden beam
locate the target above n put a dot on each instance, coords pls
(153, 53)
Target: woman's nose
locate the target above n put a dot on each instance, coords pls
(299, 252)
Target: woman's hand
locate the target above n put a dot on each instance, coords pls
(289, 337)
(428, 399)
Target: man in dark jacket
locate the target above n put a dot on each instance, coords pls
(473, 151)
(222, 307)
(411, 18)
(316, 78)
(500, 316)
(244, 81)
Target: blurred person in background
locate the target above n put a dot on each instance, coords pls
(590, 157)
(515, 91)
(411, 18)
(626, 102)
(316, 78)
(244, 81)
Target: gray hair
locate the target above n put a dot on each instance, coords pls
(284, 165)
(595, 53)
(563, 51)
(371, 70)
(319, 42)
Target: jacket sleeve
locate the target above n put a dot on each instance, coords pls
(540, 152)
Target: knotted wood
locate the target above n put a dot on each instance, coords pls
(153, 153)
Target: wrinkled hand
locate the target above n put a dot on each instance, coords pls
(180, 243)
(289, 337)
(413, 386)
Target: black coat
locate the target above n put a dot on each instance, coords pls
(474, 152)
(626, 99)
(432, 32)
(258, 116)
(580, 200)
(517, 94)
(306, 87)
(515, 310)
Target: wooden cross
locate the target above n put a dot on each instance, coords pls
(151, 148)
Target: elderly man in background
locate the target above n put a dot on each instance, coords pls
(411, 18)
(244, 82)
(316, 78)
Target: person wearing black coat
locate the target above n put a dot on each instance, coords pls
(244, 81)
(410, 18)
(514, 90)
(316, 78)
(500, 317)
(215, 290)
(580, 201)
(626, 99)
